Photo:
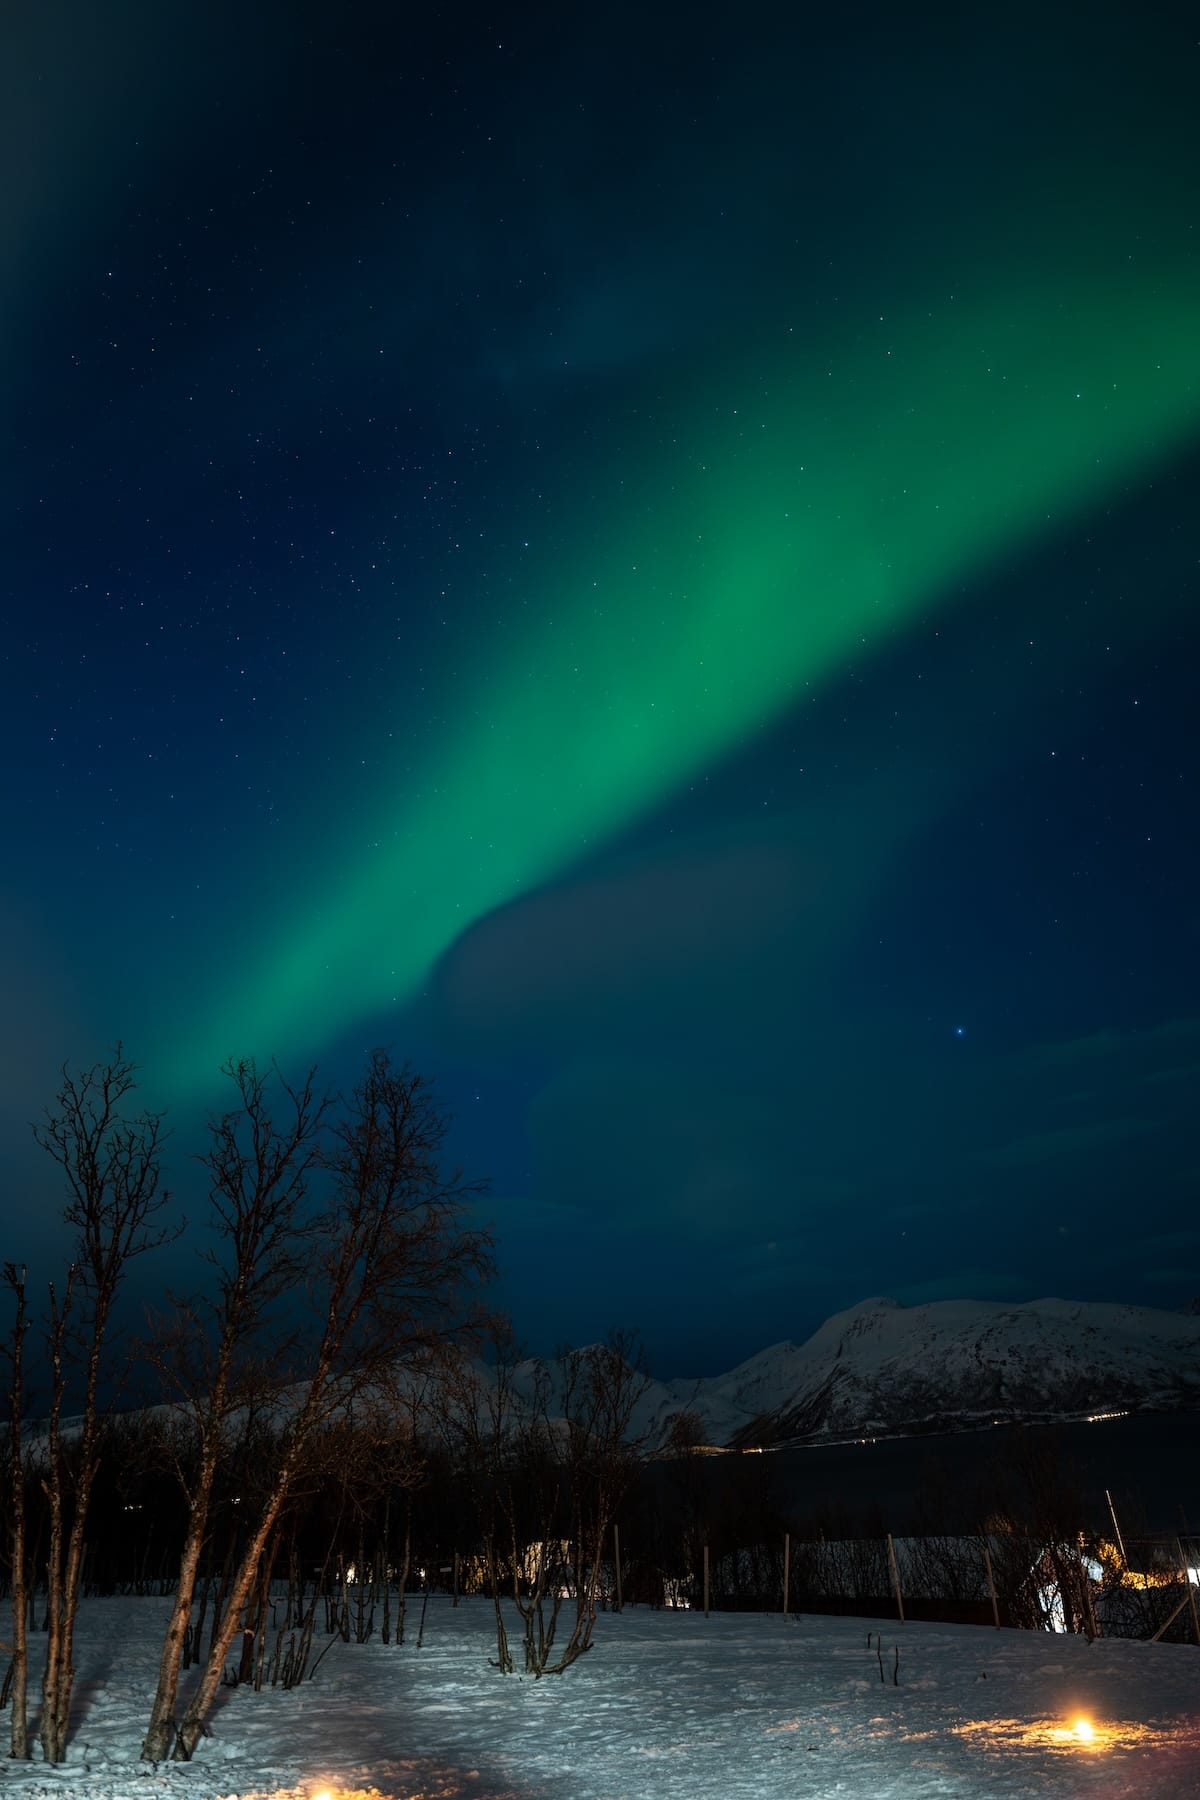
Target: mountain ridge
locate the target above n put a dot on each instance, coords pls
(880, 1368)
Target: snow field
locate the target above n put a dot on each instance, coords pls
(666, 1704)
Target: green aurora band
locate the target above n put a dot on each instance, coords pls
(813, 507)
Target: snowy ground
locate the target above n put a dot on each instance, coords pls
(666, 1704)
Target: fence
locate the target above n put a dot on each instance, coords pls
(1145, 1587)
(1141, 1588)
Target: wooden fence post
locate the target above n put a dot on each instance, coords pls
(787, 1569)
(1191, 1592)
(617, 1560)
(1120, 1540)
(895, 1577)
(1086, 1581)
(987, 1563)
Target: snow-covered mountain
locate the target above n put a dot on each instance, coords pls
(882, 1368)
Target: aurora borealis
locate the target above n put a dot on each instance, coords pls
(791, 536)
(658, 582)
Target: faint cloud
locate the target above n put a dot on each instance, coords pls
(1184, 1071)
(610, 322)
(529, 1213)
(1173, 1240)
(776, 1263)
(967, 1284)
(1090, 1048)
(1068, 1140)
(571, 961)
(1165, 1041)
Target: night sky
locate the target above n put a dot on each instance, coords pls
(646, 560)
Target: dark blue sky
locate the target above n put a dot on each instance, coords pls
(405, 643)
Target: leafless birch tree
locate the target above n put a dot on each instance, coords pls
(601, 1386)
(394, 1266)
(546, 1469)
(14, 1278)
(479, 1422)
(220, 1353)
(111, 1164)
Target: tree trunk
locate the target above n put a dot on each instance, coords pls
(387, 1568)
(162, 1714)
(70, 1600)
(19, 1741)
(405, 1568)
(360, 1598)
(52, 1746)
(191, 1729)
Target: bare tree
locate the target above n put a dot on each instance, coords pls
(601, 1389)
(559, 1465)
(479, 1423)
(111, 1164)
(398, 1463)
(394, 1266)
(535, 1499)
(220, 1352)
(14, 1277)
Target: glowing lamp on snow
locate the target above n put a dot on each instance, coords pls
(1079, 1733)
